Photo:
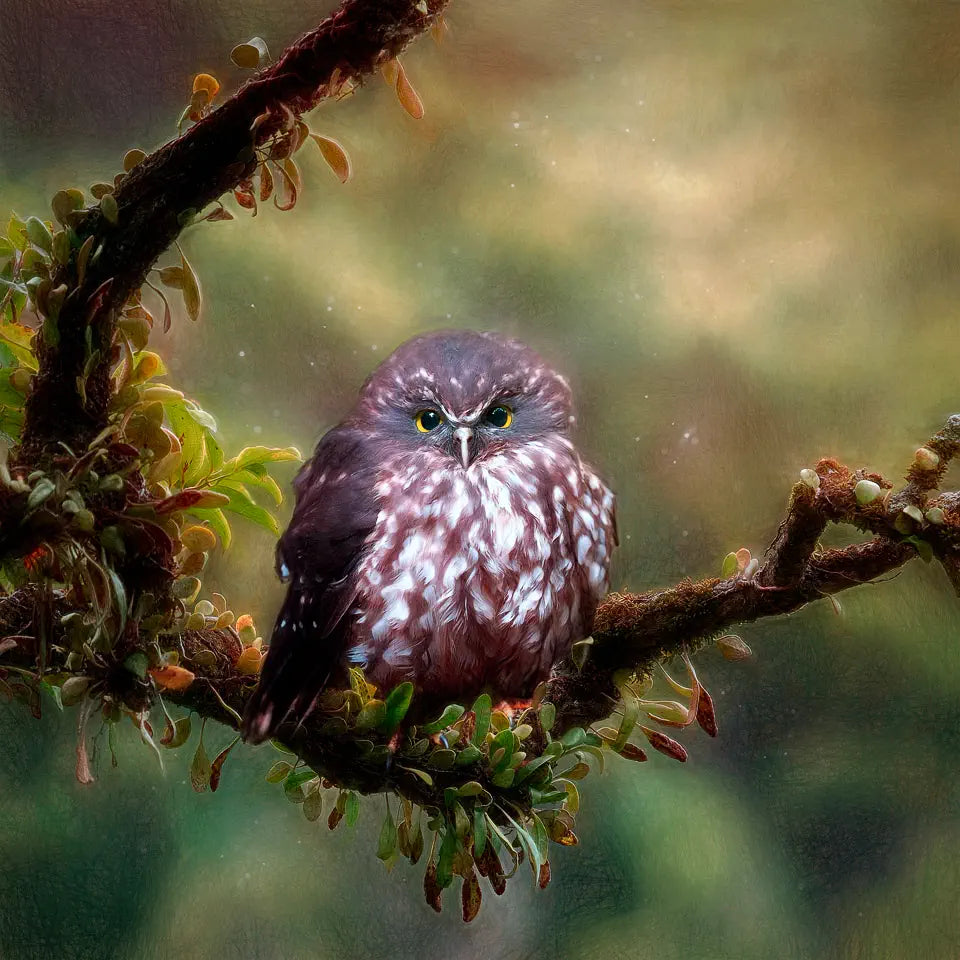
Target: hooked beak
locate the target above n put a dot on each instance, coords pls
(463, 436)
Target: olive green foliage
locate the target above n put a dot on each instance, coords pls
(532, 797)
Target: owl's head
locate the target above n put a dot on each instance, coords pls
(466, 393)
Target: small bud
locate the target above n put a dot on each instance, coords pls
(903, 523)
(734, 648)
(750, 570)
(866, 491)
(914, 512)
(926, 459)
(935, 515)
(73, 689)
(84, 520)
(811, 478)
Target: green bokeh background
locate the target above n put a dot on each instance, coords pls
(736, 226)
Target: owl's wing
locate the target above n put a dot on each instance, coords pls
(336, 510)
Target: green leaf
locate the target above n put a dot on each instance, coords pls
(177, 733)
(190, 288)
(108, 207)
(631, 713)
(54, 693)
(184, 424)
(41, 491)
(313, 804)
(200, 768)
(548, 715)
(529, 845)
(524, 773)
(252, 455)
(217, 521)
(442, 759)
(297, 778)
(137, 664)
(422, 774)
(372, 715)
(573, 738)
(242, 504)
(279, 771)
(504, 741)
(572, 802)
(293, 784)
(397, 704)
(479, 831)
(387, 844)
(503, 779)
(352, 808)
(448, 849)
(450, 716)
(729, 566)
(469, 754)
(482, 707)
(120, 598)
(17, 339)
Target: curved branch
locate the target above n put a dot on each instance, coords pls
(632, 632)
(162, 193)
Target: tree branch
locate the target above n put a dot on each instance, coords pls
(162, 193)
(633, 632)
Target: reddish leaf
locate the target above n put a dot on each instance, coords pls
(217, 766)
(470, 896)
(706, 716)
(632, 752)
(544, 878)
(266, 182)
(431, 888)
(172, 678)
(663, 743)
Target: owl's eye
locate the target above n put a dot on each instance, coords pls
(500, 416)
(427, 420)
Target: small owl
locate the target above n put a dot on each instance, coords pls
(446, 533)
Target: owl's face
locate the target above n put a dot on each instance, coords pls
(465, 394)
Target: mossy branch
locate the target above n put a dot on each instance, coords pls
(633, 632)
(163, 192)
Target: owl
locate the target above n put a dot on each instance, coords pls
(446, 533)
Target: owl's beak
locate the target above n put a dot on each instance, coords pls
(463, 436)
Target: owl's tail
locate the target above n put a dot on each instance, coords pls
(294, 671)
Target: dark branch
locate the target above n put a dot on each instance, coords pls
(162, 193)
(632, 632)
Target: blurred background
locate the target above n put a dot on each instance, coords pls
(735, 225)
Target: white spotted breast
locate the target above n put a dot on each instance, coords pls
(481, 577)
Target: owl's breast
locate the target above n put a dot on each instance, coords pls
(481, 577)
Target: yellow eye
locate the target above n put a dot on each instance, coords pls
(500, 416)
(427, 420)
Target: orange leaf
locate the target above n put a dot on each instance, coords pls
(206, 84)
(335, 155)
(390, 69)
(408, 97)
(249, 661)
(172, 678)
